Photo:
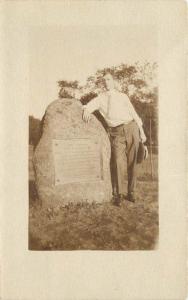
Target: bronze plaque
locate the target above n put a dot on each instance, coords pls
(77, 160)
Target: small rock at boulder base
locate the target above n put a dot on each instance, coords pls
(72, 158)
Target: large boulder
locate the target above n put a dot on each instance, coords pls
(72, 158)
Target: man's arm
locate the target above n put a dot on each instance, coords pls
(137, 120)
(92, 106)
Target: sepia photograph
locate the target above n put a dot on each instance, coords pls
(93, 131)
(93, 138)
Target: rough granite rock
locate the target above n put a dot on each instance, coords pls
(63, 122)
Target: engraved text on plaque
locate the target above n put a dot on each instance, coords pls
(77, 160)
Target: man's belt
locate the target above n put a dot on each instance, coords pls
(116, 128)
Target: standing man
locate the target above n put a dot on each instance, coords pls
(125, 132)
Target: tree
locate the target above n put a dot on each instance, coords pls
(64, 83)
(35, 131)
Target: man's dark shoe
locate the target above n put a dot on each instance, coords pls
(119, 199)
(116, 200)
(131, 198)
(117, 203)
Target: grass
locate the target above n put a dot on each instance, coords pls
(133, 226)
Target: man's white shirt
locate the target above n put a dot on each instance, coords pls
(115, 107)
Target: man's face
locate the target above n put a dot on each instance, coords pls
(109, 81)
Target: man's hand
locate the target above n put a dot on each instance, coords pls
(142, 135)
(86, 115)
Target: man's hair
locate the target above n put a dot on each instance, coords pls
(116, 83)
(108, 73)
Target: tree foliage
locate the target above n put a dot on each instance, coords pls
(35, 130)
(64, 83)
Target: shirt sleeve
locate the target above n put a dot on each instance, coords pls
(93, 105)
(134, 113)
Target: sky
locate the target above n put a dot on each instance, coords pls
(76, 52)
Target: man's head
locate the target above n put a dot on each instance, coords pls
(109, 81)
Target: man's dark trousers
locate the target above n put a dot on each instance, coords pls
(124, 148)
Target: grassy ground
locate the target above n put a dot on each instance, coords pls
(133, 226)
